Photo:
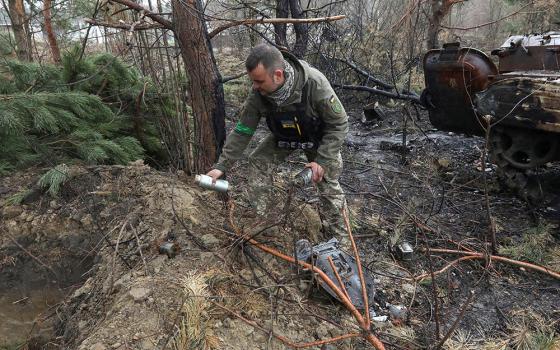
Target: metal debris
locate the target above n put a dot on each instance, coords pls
(404, 251)
(169, 248)
(345, 265)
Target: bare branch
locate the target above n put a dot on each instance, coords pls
(131, 4)
(125, 26)
(272, 20)
(489, 23)
(232, 77)
(366, 74)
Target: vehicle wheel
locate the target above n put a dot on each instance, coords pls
(518, 153)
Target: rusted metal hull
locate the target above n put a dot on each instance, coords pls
(523, 99)
(530, 52)
(453, 76)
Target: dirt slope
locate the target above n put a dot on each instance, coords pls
(83, 270)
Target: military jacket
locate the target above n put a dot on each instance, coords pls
(321, 102)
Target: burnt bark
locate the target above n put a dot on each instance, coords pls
(51, 38)
(440, 9)
(282, 11)
(204, 87)
(16, 12)
(301, 29)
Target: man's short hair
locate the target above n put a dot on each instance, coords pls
(269, 56)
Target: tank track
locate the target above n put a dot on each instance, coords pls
(519, 155)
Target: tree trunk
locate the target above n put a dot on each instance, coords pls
(301, 29)
(440, 9)
(17, 17)
(50, 33)
(205, 90)
(282, 8)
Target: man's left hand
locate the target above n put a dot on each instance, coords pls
(317, 171)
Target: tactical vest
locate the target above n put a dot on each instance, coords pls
(295, 129)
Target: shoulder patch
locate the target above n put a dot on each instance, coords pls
(335, 104)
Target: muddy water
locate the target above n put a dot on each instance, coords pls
(31, 293)
(23, 309)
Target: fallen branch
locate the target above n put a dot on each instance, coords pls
(453, 263)
(366, 74)
(360, 272)
(338, 278)
(232, 77)
(407, 96)
(482, 256)
(273, 21)
(367, 335)
(457, 320)
(31, 255)
(284, 339)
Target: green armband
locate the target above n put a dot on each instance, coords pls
(244, 129)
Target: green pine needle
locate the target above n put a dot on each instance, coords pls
(53, 179)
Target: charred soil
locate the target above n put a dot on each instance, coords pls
(94, 252)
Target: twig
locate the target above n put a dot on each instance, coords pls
(20, 300)
(123, 227)
(284, 339)
(31, 255)
(433, 284)
(489, 23)
(140, 248)
(232, 77)
(126, 26)
(404, 96)
(131, 4)
(372, 339)
(195, 238)
(482, 256)
(360, 272)
(454, 262)
(366, 74)
(337, 275)
(491, 235)
(457, 320)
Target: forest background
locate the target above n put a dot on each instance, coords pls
(113, 81)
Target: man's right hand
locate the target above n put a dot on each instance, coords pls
(215, 174)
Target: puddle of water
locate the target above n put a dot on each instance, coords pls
(22, 310)
(29, 295)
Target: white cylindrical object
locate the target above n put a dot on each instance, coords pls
(304, 178)
(205, 181)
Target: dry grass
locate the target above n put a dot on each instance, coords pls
(526, 331)
(535, 246)
(225, 285)
(530, 331)
(461, 340)
(194, 332)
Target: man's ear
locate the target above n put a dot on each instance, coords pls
(278, 75)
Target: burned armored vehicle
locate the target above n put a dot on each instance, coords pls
(518, 101)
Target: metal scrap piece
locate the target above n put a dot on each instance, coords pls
(347, 270)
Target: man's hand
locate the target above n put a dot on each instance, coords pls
(215, 174)
(317, 170)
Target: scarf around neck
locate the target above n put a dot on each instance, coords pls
(281, 95)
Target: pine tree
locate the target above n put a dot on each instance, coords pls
(83, 112)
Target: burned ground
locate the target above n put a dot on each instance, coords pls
(97, 243)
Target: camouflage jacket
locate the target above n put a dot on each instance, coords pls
(322, 102)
